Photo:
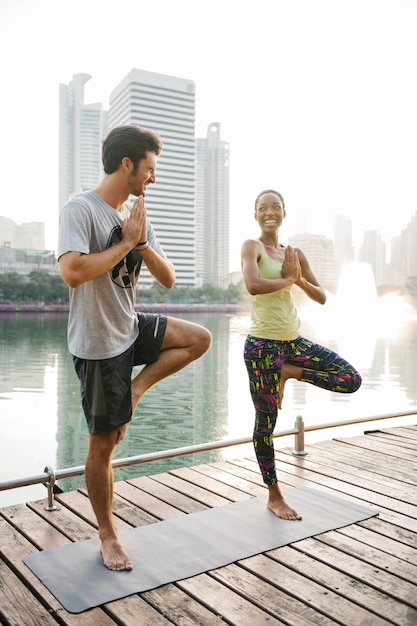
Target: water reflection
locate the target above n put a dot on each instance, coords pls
(42, 421)
(187, 408)
(377, 334)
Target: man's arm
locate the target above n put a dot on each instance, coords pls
(159, 266)
(77, 268)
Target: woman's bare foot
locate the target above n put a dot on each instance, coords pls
(114, 556)
(287, 371)
(278, 506)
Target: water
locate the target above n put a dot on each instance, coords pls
(42, 421)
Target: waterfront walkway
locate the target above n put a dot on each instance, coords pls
(362, 574)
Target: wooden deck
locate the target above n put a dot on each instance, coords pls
(363, 574)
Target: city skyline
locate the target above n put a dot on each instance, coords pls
(192, 194)
(329, 257)
(316, 99)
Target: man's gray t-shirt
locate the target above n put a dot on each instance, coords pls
(102, 321)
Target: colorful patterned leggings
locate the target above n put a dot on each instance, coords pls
(264, 358)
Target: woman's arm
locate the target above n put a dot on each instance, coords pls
(254, 283)
(307, 280)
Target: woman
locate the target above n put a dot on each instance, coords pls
(274, 350)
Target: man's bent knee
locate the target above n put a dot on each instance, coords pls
(203, 340)
(184, 334)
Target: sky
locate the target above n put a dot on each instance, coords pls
(317, 98)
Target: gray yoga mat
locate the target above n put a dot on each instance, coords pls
(178, 548)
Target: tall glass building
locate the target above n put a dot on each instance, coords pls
(82, 128)
(166, 104)
(212, 209)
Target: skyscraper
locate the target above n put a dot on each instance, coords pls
(343, 239)
(82, 128)
(321, 255)
(165, 104)
(374, 251)
(212, 209)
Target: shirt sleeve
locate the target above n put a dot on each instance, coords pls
(74, 233)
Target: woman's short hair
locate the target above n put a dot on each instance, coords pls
(269, 191)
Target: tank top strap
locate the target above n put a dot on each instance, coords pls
(261, 248)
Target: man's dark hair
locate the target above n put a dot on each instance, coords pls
(130, 141)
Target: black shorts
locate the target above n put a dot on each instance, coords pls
(105, 384)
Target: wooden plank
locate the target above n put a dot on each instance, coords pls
(367, 443)
(239, 469)
(14, 547)
(355, 463)
(403, 432)
(167, 493)
(145, 501)
(394, 436)
(77, 532)
(315, 463)
(248, 468)
(341, 484)
(186, 607)
(345, 449)
(375, 462)
(264, 594)
(398, 519)
(321, 599)
(216, 472)
(64, 520)
(206, 482)
(132, 610)
(164, 493)
(179, 607)
(375, 481)
(322, 483)
(370, 565)
(376, 568)
(393, 531)
(196, 605)
(135, 611)
(34, 528)
(79, 503)
(383, 542)
(394, 441)
(207, 498)
(16, 606)
(228, 605)
(343, 584)
(365, 575)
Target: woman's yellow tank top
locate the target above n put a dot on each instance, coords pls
(273, 315)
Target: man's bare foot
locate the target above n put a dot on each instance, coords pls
(278, 506)
(114, 556)
(287, 371)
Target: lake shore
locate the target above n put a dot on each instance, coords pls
(148, 308)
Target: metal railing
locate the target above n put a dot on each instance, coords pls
(49, 476)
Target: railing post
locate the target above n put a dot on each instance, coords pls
(299, 437)
(50, 486)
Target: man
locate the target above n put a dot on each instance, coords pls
(101, 248)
